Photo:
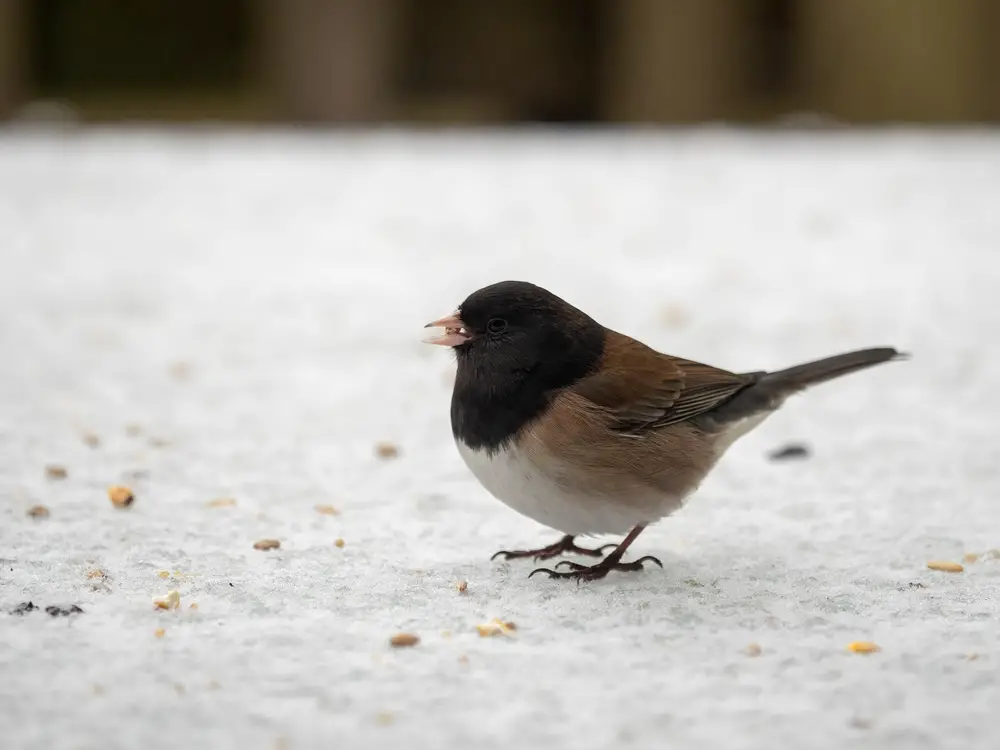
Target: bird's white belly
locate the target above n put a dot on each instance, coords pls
(520, 483)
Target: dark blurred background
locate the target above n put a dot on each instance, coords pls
(492, 62)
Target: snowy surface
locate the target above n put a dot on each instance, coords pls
(239, 315)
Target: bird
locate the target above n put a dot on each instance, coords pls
(589, 431)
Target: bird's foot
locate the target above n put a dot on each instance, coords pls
(593, 572)
(566, 545)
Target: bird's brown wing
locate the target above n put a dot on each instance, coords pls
(644, 390)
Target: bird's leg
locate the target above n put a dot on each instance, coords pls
(563, 546)
(605, 566)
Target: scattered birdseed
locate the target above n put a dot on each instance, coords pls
(222, 502)
(339, 543)
(38, 511)
(267, 544)
(327, 510)
(159, 632)
(945, 566)
(97, 573)
(63, 611)
(54, 471)
(403, 640)
(164, 574)
(462, 586)
(753, 649)
(171, 601)
(91, 440)
(971, 557)
(863, 647)
(790, 451)
(193, 605)
(386, 450)
(121, 497)
(495, 627)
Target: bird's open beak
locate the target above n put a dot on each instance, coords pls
(455, 333)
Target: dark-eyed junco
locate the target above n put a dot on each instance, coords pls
(589, 431)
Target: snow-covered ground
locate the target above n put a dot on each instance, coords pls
(239, 316)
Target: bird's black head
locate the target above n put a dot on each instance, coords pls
(516, 343)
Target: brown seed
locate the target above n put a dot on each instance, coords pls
(945, 566)
(91, 440)
(327, 510)
(193, 605)
(386, 450)
(462, 586)
(121, 497)
(38, 511)
(495, 627)
(180, 370)
(404, 640)
(54, 471)
(971, 557)
(753, 649)
(863, 647)
(222, 502)
(339, 543)
(96, 573)
(159, 632)
(171, 601)
(267, 544)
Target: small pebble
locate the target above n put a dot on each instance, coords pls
(120, 497)
(267, 544)
(54, 471)
(91, 440)
(404, 640)
(945, 566)
(386, 450)
(789, 452)
(863, 647)
(38, 511)
(462, 586)
(64, 611)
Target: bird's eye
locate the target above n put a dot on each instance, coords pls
(496, 325)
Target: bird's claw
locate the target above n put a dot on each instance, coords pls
(593, 572)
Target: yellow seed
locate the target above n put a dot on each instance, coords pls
(121, 497)
(495, 627)
(862, 647)
(97, 574)
(327, 510)
(945, 566)
(38, 511)
(159, 632)
(339, 543)
(193, 605)
(164, 574)
(171, 601)
(222, 502)
(267, 544)
(403, 640)
(971, 557)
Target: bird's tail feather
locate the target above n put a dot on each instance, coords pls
(770, 389)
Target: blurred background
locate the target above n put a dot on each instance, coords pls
(457, 62)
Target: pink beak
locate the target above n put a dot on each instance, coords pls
(454, 331)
